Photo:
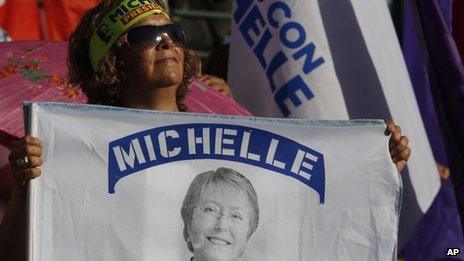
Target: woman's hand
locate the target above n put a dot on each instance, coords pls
(398, 145)
(218, 84)
(25, 159)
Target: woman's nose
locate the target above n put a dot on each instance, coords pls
(222, 223)
(165, 43)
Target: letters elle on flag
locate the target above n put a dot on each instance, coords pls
(274, 57)
(321, 59)
(149, 185)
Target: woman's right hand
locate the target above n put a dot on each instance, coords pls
(25, 159)
(218, 84)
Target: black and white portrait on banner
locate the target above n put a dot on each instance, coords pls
(173, 186)
(220, 213)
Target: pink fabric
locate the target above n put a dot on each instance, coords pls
(31, 71)
(203, 99)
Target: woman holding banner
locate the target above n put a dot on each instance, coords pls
(125, 53)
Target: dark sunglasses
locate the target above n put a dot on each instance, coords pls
(151, 35)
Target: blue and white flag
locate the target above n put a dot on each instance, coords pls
(121, 184)
(321, 59)
(278, 67)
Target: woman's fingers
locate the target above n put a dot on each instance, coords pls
(390, 127)
(23, 150)
(400, 146)
(24, 175)
(218, 84)
(29, 140)
(402, 156)
(227, 93)
(211, 79)
(395, 136)
(32, 162)
(400, 165)
(25, 159)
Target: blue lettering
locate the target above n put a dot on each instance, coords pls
(292, 35)
(301, 35)
(289, 90)
(279, 59)
(276, 6)
(261, 46)
(235, 143)
(242, 8)
(250, 22)
(309, 64)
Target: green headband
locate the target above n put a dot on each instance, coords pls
(116, 23)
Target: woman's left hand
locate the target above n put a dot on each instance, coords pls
(398, 145)
(218, 84)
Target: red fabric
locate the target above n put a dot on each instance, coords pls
(62, 16)
(458, 25)
(20, 19)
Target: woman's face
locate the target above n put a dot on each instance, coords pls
(156, 66)
(220, 224)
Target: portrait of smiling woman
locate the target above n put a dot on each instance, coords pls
(220, 213)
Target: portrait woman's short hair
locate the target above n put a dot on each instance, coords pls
(103, 86)
(222, 176)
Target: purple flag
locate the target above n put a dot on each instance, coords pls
(446, 73)
(446, 7)
(437, 77)
(417, 62)
(439, 229)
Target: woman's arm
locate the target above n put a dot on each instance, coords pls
(25, 160)
(13, 227)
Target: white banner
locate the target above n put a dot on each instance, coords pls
(331, 60)
(121, 184)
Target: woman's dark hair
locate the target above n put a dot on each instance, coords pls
(103, 85)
